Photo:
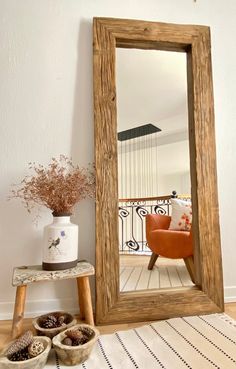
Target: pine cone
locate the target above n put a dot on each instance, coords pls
(74, 334)
(79, 341)
(52, 317)
(61, 321)
(21, 355)
(87, 332)
(21, 343)
(50, 322)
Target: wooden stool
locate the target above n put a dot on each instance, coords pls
(22, 276)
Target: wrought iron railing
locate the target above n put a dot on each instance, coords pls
(132, 212)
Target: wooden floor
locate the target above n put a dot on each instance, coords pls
(5, 325)
(166, 273)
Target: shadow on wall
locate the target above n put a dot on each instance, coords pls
(82, 142)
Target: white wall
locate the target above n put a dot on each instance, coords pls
(173, 168)
(153, 170)
(46, 108)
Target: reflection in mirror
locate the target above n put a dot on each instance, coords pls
(153, 160)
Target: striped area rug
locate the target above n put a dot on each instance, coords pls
(198, 342)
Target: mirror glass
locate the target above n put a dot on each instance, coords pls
(153, 160)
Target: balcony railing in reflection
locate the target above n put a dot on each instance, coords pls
(132, 212)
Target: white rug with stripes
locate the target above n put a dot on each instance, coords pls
(197, 342)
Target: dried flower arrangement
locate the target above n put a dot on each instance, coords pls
(58, 186)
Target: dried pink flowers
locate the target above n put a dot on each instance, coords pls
(59, 186)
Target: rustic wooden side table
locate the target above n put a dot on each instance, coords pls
(24, 275)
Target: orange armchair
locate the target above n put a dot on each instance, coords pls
(168, 243)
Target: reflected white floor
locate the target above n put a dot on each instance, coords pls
(166, 273)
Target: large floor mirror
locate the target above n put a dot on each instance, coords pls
(155, 158)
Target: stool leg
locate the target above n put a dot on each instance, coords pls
(81, 300)
(85, 297)
(17, 324)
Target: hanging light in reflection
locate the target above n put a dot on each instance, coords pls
(137, 160)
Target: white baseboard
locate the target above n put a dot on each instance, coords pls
(39, 307)
(230, 294)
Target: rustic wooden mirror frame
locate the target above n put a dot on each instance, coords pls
(207, 297)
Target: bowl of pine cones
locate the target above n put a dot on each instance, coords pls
(27, 352)
(74, 345)
(53, 323)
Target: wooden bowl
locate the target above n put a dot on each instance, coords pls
(72, 355)
(37, 362)
(51, 332)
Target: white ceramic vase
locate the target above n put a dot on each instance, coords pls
(60, 244)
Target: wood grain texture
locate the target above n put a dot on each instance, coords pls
(85, 299)
(80, 299)
(34, 273)
(111, 305)
(18, 316)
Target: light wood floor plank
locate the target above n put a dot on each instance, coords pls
(125, 276)
(133, 279)
(164, 277)
(184, 276)
(154, 281)
(175, 280)
(144, 279)
(171, 273)
(122, 269)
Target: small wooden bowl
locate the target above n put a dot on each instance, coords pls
(37, 362)
(51, 332)
(72, 355)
